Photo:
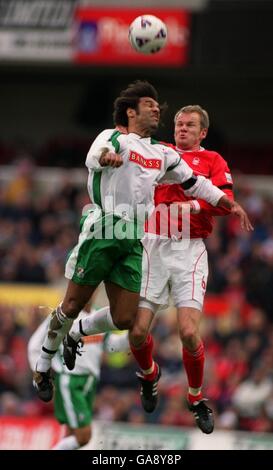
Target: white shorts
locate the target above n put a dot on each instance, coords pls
(180, 273)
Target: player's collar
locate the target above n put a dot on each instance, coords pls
(137, 136)
(201, 149)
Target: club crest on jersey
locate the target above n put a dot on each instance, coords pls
(151, 163)
(80, 272)
(196, 161)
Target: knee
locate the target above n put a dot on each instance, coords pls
(123, 323)
(123, 320)
(189, 336)
(72, 307)
(138, 335)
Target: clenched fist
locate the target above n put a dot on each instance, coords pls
(112, 159)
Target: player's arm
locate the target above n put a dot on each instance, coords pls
(117, 342)
(110, 158)
(103, 151)
(215, 211)
(204, 188)
(221, 177)
(201, 187)
(35, 343)
(178, 171)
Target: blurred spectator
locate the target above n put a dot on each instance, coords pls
(251, 395)
(22, 187)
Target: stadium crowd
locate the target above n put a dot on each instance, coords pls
(37, 231)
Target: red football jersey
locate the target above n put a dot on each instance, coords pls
(203, 162)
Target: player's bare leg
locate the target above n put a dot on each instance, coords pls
(123, 305)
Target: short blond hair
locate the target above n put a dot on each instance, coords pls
(195, 108)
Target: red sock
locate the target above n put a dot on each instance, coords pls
(194, 366)
(144, 357)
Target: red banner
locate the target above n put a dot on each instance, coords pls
(102, 37)
(151, 163)
(19, 433)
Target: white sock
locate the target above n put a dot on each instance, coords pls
(59, 325)
(67, 443)
(97, 322)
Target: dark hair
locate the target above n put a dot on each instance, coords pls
(129, 98)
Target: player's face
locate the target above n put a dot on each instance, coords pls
(147, 115)
(187, 131)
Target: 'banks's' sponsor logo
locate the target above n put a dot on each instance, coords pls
(151, 163)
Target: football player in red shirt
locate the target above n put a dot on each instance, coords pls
(185, 269)
(167, 269)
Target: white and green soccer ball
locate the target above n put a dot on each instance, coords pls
(147, 34)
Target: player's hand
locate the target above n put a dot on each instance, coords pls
(112, 159)
(241, 213)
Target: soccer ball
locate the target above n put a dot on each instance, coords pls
(147, 34)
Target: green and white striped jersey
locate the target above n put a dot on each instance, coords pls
(128, 191)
